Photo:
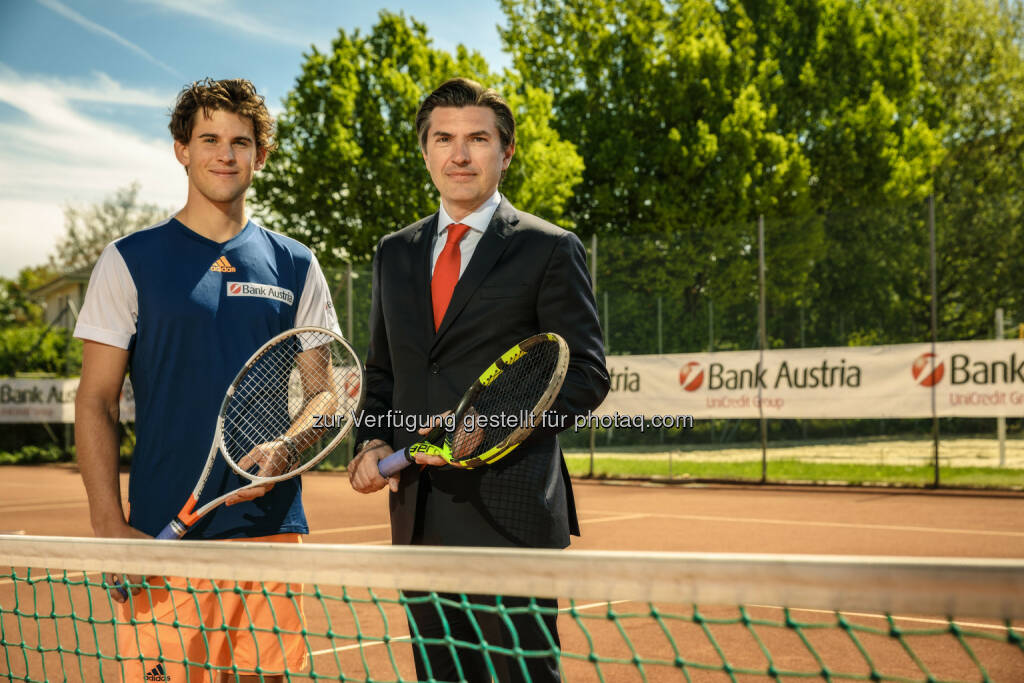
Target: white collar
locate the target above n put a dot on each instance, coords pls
(478, 220)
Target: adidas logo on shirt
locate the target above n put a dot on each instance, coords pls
(222, 265)
(157, 673)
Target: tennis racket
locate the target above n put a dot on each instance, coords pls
(498, 412)
(287, 408)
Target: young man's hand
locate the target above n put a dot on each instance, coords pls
(363, 473)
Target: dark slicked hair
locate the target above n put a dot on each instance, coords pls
(462, 92)
(235, 95)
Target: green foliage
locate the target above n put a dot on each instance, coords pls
(974, 67)
(30, 348)
(846, 79)
(670, 123)
(682, 151)
(16, 306)
(21, 453)
(349, 168)
(684, 468)
(834, 119)
(88, 230)
(546, 168)
(31, 455)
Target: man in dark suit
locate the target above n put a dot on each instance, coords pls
(452, 292)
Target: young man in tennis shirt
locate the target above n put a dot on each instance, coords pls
(181, 306)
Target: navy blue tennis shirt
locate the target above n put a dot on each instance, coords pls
(191, 311)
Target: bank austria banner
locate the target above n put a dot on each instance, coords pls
(969, 379)
(49, 400)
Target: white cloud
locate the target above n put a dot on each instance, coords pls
(54, 155)
(101, 88)
(234, 17)
(68, 13)
(30, 231)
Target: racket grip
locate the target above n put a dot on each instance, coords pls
(394, 463)
(119, 587)
(172, 531)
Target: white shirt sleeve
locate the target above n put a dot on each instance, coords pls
(111, 306)
(315, 307)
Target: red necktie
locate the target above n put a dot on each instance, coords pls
(446, 272)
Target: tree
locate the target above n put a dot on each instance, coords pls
(87, 231)
(682, 152)
(847, 81)
(26, 343)
(348, 169)
(973, 63)
(16, 307)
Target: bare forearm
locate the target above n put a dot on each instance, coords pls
(96, 436)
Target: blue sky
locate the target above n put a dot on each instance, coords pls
(85, 88)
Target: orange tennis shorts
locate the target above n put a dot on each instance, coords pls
(198, 630)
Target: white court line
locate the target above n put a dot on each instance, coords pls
(342, 529)
(840, 525)
(367, 643)
(617, 518)
(371, 643)
(917, 620)
(592, 605)
(370, 527)
(595, 605)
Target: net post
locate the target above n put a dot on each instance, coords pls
(763, 343)
(935, 334)
(593, 279)
(711, 349)
(1001, 420)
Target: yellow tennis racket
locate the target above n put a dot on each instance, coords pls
(498, 412)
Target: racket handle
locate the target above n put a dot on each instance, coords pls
(172, 531)
(394, 463)
(119, 587)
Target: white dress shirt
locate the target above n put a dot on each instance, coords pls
(477, 222)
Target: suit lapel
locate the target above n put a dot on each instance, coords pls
(486, 254)
(422, 241)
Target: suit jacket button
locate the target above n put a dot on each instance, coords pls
(435, 368)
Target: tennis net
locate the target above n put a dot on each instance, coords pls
(621, 616)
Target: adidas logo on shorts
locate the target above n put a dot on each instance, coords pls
(157, 673)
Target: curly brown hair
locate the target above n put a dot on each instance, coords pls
(235, 95)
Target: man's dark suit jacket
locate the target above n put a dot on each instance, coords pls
(525, 276)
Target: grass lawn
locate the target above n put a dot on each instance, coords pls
(888, 463)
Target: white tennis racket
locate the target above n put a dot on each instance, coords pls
(288, 407)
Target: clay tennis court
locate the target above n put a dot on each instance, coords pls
(714, 519)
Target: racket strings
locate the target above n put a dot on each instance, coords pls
(292, 401)
(509, 403)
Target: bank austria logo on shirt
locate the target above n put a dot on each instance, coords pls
(260, 290)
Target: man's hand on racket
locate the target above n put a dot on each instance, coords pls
(365, 475)
(465, 440)
(271, 458)
(277, 457)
